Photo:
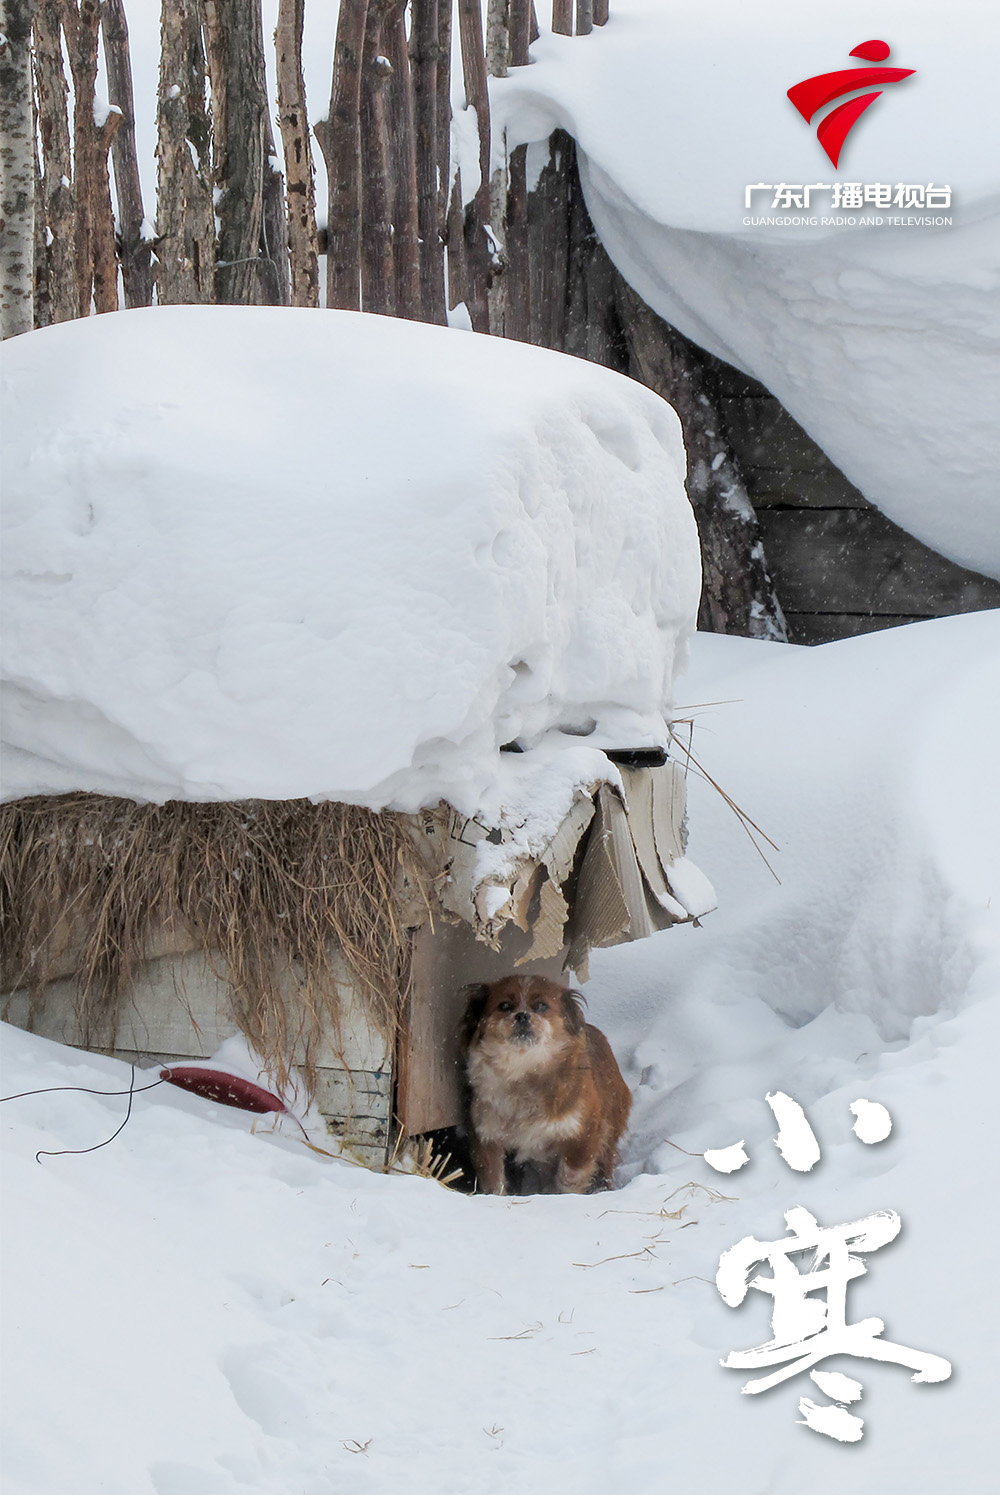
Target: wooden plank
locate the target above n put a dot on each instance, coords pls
(445, 960)
(763, 434)
(857, 561)
(179, 1004)
(827, 488)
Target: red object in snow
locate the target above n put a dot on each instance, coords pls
(227, 1089)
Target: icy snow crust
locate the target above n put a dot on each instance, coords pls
(884, 343)
(197, 1309)
(261, 552)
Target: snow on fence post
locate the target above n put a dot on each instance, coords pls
(339, 137)
(185, 219)
(303, 244)
(17, 169)
(135, 250)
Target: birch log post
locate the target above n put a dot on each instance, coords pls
(340, 141)
(185, 244)
(52, 96)
(135, 251)
(303, 245)
(17, 170)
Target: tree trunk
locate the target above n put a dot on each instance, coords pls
(303, 249)
(235, 48)
(478, 252)
(738, 594)
(103, 219)
(424, 52)
(340, 141)
(185, 244)
(378, 286)
(17, 170)
(137, 272)
(82, 23)
(562, 17)
(402, 153)
(57, 165)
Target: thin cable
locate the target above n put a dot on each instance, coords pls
(45, 1153)
(48, 1089)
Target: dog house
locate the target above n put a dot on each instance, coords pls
(338, 663)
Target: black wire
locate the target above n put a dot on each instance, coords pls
(60, 1152)
(48, 1089)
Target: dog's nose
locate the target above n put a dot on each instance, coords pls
(523, 1019)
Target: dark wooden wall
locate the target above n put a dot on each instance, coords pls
(839, 566)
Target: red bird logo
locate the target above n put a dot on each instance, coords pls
(811, 94)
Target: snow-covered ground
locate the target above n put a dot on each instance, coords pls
(195, 1310)
(318, 553)
(883, 340)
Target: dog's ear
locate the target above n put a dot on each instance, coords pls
(572, 1006)
(476, 997)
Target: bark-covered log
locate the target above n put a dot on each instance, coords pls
(52, 94)
(378, 287)
(185, 222)
(17, 170)
(521, 13)
(102, 217)
(601, 10)
(81, 22)
(477, 245)
(424, 55)
(738, 595)
(562, 17)
(340, 141)
(303, 252)
(402, 155)
(135, 248)
(242, 134)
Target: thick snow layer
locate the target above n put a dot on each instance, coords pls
(198, 1309)
(884, 342)
(265, 552)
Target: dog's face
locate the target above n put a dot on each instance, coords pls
(527, 1015)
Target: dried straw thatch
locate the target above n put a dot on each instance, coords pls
(264, 886)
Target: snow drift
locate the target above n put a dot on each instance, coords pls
(195, 1309)
(882, 341)
(261, 552)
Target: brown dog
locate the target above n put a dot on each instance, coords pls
(544, 1087)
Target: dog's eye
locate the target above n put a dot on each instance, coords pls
(505, 1007)
(539, 1006)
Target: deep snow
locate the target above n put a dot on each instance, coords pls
(316, 553)
(882, 341)
(201, 1311)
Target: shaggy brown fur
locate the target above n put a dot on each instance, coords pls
(545, 1089)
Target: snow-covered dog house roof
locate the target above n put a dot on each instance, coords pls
(262, 554)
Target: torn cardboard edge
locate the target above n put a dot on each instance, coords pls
(603, 879)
